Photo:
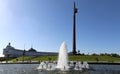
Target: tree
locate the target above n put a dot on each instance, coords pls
(94, 54)
(78, 51)
(97, 59)
(114, 55)
(49, 59)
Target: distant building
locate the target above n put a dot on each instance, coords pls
(10, 51)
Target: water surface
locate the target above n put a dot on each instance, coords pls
(31, 69)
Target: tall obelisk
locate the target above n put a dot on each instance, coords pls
(74, 30)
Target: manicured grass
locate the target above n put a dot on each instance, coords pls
(81, 58)
(94, 58)
(45, 58)
(72, 58)
(21, 58)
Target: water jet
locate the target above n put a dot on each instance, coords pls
(63, 64)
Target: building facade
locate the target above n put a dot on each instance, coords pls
(10, 51)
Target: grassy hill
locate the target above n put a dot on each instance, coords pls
(26, 58)
(95, 58)
(71, 58)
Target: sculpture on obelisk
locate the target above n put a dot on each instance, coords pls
(74, 30)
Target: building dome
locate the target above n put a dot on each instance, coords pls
(32, 50)
(9, 46)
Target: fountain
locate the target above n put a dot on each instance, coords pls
(63, 64)
(63, 58)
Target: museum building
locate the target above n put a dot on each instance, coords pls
(10, 51)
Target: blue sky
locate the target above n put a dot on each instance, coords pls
(45, 24)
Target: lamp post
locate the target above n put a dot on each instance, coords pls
(23, 54)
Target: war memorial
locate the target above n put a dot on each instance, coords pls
(60, 66)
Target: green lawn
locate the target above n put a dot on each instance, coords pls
(95, 58)
(45, 58)
(21, 58)
(71, 58)
(81, 58)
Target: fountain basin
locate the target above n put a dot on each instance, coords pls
(62, 63)
(78, 65)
